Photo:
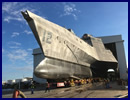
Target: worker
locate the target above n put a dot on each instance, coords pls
(82, 81)
(76, 82)
(69, 83)
(108, 84)
(79, 82)
(32, 88)
(65, 83)
(87, 81)
(72, 82)
(47, 87)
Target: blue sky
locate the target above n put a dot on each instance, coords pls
(95, 18)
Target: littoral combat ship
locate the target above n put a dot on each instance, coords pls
(65, 54)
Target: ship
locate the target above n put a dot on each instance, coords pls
(67, 55)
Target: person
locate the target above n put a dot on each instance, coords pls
(76, 82)
(32, 88)
(79, 82)
(65, 83)
(87, 81)
(107, 83)
(47, 87)
(68, 84)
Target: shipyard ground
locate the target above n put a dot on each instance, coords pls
(96, 90)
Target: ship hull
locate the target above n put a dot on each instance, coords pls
(66, 55)
(51, 68)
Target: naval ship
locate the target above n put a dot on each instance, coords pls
(65, 54)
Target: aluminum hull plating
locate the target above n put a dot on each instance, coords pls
(51, 68)
(64, 46)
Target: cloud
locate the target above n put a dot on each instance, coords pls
(6, 6)
(9, 18)
(14, 45)
(27, 32)
(29, 60)
(18, 54)
(70, 9)
(12, 11)
(29, 49)
(24, 68)
(14, 34)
